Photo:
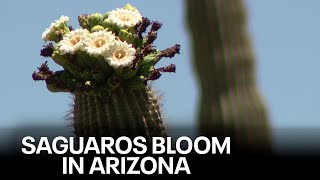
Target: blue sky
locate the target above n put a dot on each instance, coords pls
(285, 35)
(286, 39)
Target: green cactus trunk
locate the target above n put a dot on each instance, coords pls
(230, 101)
(126, 112)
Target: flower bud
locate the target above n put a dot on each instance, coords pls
(107, 24)
(154, 76)
(83, 21)
(95, 19)
(146, 71)
(129, 7)
(106, 15)
(149, 60)
(97, 28)
(64, 61)
(126, 36)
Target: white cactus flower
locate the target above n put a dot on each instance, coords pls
(121, 54)
(125, 17)
(99, 42)
(74, 41)
(53, 27)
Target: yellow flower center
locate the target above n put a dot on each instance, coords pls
(119, 55)
(125, 17)
(74, 40)
(99, 42)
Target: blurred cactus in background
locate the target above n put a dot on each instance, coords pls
(230, 102)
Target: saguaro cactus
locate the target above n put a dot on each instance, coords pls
(107, 64)
(230, 102)
(126, 112)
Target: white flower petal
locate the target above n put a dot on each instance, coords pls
(45, 34)
(121, 54)
(53, 26)
(73, 41)
(99, 42)
(124, 17)
(63, 19)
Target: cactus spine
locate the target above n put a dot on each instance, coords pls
(125, 113)
(230, 101)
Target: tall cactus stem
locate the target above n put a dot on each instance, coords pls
(230, 101)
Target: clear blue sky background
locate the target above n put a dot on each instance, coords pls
(285, 34)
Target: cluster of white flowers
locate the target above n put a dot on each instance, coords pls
(106, 51)
(116, 52)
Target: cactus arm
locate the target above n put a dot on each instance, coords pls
(230, 101)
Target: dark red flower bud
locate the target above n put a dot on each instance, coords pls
(47, 50)
(154, 76)
(43, 73)
(148, 49)
(170, 52)
(138, 57)
(170, 69)
(156, 26)
(142, 26)
(152, 36)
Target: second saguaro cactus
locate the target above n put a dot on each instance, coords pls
(230, 102)
(107, 64)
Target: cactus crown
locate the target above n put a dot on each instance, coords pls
(105, 52)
